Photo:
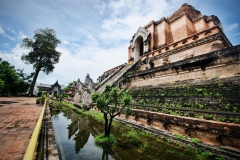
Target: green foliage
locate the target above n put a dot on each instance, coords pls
(234, 120)
(180, 136)
(203, 153)
(60, 97)
(195, 140)
(41, 100)
(220, 85)
(43, 54)
(227, 107)
(219, 158)
(67, 88)
(143, 146)
(111, 103)
(132, 136)
(222, 119)
(12, 81)
(105, 141)
(208, 116)
(199, 90)
(235, 109)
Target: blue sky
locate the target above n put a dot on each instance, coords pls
(95, 34)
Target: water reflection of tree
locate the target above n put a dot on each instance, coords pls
(82, 126)
(67, 113)
(54, 114)
(79, 127)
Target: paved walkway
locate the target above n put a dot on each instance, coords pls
(17, 122)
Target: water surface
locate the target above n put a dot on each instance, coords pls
(74, 134)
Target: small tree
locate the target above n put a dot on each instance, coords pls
(111, 103)
(60, 97)
(43, 54)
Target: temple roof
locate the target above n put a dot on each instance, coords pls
(189, 10)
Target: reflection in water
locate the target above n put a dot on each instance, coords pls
(75, 140)
(79, 136)
(80, 127)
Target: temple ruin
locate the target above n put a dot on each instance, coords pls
(184, 76)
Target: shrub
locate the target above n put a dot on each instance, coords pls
(38, 100)
(195, 140)
(105, 141)
(132, 136)
(208, 117)
(235, 109)
(180, 136)
(227, 107)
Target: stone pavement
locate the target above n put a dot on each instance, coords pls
(18, 117)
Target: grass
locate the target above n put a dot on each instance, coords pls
(105, 141)
(195, 140)
(132, 136)
(180, 136)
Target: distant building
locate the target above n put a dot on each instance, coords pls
(56, 88)
(44, 87)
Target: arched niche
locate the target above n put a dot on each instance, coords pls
(140, 43)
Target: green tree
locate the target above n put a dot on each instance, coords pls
(68, 87)
(60, 97)
(109, 103)
(43, 54)
(12, 81)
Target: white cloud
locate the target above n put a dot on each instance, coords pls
(5, 44)
(232, 26)
(99, 5)
(6, 35)
(127, 16)
(21, 35)
(1, 30)
(14, 58)
(65, 42)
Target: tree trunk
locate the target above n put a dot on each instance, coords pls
(30, 92)
(106, 125)
(109, 127)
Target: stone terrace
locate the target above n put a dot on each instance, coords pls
(17, 121)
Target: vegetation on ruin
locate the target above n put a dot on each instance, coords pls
(43, 54)
(199, 101)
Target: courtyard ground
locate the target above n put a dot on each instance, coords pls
(18, 117)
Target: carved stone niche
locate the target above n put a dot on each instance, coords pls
(140, 43)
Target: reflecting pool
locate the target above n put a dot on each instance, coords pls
(74, 134)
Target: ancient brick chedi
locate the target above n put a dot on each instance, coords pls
(185, 35)
(184, 76)
(185, 27)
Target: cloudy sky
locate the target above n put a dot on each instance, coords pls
(95, 34)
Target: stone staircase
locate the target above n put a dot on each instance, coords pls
(97, 87)
(112, 81)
